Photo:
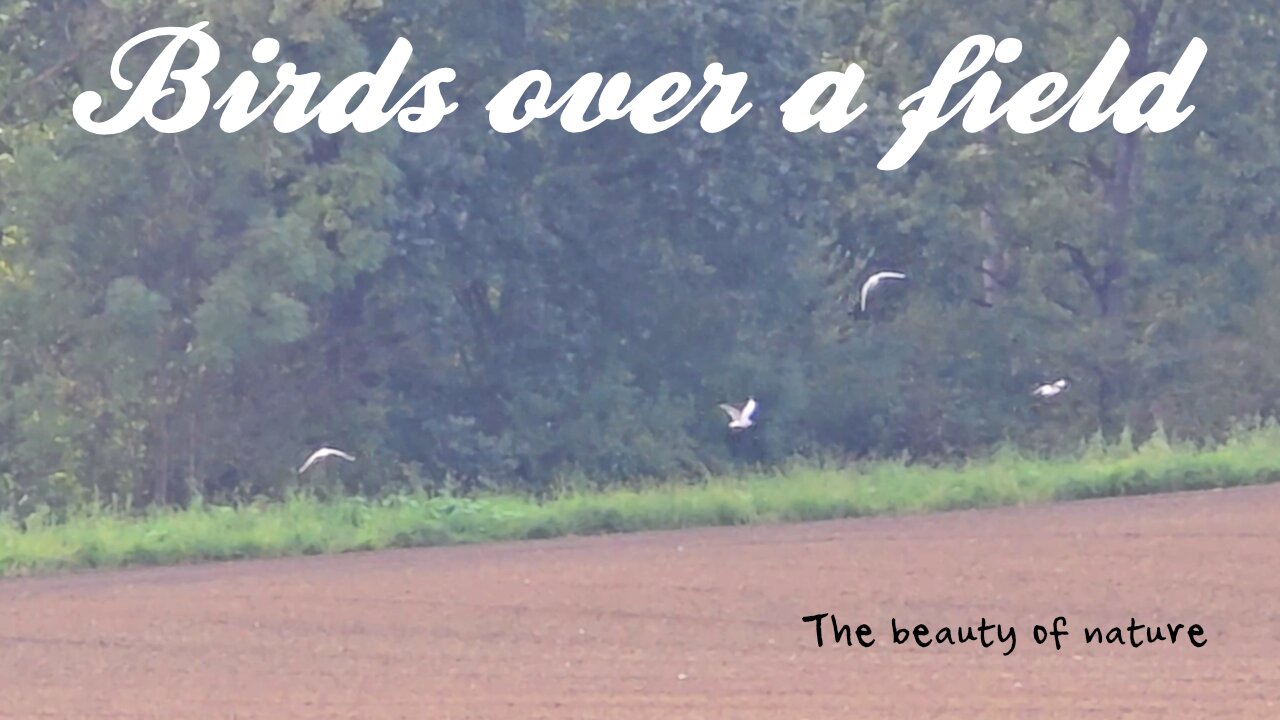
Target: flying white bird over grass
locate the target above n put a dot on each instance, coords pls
(874, 281)
(740, 419)
(323, 453)
(1052, 389)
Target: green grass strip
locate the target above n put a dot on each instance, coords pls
(306, 526)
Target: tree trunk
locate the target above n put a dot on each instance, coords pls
(1118, 190)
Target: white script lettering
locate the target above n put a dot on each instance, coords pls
(332, 113)
(1038, 95)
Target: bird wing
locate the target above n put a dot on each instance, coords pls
(749, 409)
(310, 461)
(734, 413)
(323, 453)
(874, 280)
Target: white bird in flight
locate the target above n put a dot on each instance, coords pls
(874, 281)
(1052, 389)
(323, 453)
(740, 419)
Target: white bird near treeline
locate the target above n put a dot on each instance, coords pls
(874, 281)
(740, 419)
(323, 453)
(1053, 389)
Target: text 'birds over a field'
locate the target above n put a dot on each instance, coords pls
(828, 100)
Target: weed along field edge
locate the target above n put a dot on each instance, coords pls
(306, 526)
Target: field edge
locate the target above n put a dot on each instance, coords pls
(800, 493)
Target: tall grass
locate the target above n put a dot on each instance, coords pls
(304, 525)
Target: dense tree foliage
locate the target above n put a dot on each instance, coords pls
(188, 315)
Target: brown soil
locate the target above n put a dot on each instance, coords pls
(693, 624)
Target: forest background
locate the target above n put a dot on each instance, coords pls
(188, 316)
